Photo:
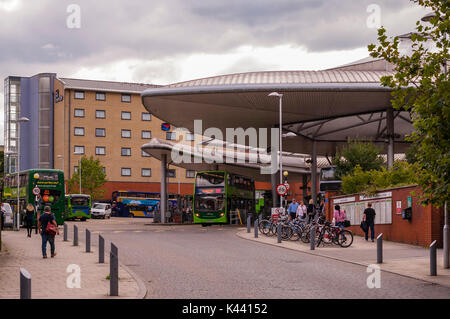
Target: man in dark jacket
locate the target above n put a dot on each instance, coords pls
(44, 219)
(369, 217)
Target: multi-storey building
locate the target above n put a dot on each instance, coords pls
(71, 118)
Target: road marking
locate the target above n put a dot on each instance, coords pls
(118, 231)
(138, 231)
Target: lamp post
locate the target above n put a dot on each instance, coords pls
(446, 236)
(280, 96)
(79, 166)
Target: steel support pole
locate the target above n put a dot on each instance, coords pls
(312, 237)
(249, 223)
(25, 284)
(256, 228)
(380, 249)
(446, 238)
(101, 249)
(281, 146)
(279, 232)
(163, 201)
(273, 180)
(65, 232)
(88, 241)
(114, 271)
(314, 173)
(390, 133)
(75, 235)
(433, 264)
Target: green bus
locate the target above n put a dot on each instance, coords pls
(217, 193)
(48, 182)
(78, 206)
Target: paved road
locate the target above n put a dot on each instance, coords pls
(194, 262)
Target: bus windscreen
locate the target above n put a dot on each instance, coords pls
(79, 201)
(208, 203)
(212, 179)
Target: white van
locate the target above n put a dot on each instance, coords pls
(101, 210)
(8, 215)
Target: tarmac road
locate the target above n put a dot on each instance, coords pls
(191, 262)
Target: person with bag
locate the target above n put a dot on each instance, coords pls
(339, 216)
(29, 218)
(301, 211)
(369, 219)
(48, 230)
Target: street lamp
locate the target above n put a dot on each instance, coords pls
(446, 246)
(280, 96)
(79, 166)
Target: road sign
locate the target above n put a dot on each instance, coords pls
(281, 189)
(36, 191)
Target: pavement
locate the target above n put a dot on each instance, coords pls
(401, 259)
(50, 276)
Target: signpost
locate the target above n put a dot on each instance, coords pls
(281, 189)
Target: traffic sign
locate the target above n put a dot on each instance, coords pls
(287, 185)
(36, 191)
(281, 189)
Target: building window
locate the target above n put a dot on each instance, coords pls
(126, 115)
(79, 112)
(145, 154)
(146, 116)
(126, 98)
(171, 173)
(126, 151)
(146, 172)
(126, 171)
(100, 132)
(171, 136)
(100, 150)
(79, 95)
(75, 169)
(100, 114)
(190, 174)
(100, 96)
(79, 131)
(146, 134)
(104, 170)
(79, 149)
(126, 133)
(189, 137)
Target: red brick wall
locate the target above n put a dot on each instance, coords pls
(424, 227)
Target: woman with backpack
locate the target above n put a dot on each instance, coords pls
(48, 230)
(339, 216)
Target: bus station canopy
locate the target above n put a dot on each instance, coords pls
(329, 106)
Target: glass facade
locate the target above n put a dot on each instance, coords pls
(11, 134)
(45, 116)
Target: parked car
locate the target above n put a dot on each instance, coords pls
(101, 210)
(8, 215)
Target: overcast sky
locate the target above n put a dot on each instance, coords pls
(167, 41)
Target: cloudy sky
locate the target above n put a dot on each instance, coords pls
(166, 41)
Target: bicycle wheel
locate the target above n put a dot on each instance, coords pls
(305, 235)
(327, 236)
(264, 227)
(286, 232)
(345, 238)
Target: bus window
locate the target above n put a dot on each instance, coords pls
(80, 201)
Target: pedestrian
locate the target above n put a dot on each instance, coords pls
(44, 219)
(339, 216)
(302, 211)
(2, 216)
(369, 218)
(292, 209)
(29, 218)
(311, 210)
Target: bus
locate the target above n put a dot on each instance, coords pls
(217, 193)
(138, 204)
(48, 182)
(328, 180)
(78, 206)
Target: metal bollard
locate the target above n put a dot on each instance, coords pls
(75, 235)
(279, 232)
(433, 264)
(88, 241)
(380, 249)
(25, 284)
(65, 232)
(249, 222)
(312, 237)
(114, 271)
(256, 228)
(101, 249)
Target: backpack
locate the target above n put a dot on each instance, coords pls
(51, 229)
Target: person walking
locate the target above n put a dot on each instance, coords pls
(44, 219)
(302, 211)
(2, 213)
(369, 218)
(310, 210)
(292, 209)
(29, 218)
(339, 216)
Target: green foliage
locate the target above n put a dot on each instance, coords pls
(369, 181)
(92, 178)
(421, 86)
(364, 155)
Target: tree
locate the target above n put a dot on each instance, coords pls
(420, 85)
(92, 178)
(366, 155)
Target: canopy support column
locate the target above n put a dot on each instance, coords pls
(314, 172)
(163, 202)
(390, 133)
(273, 180)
